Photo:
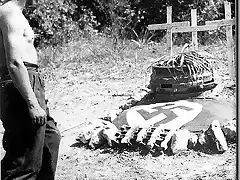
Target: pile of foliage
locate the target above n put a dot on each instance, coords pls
(60, 21)
(196, 61)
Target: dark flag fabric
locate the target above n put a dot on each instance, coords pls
(192, 114)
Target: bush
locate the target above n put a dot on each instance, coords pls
(61, 21)
(51, 21)
(56, 22)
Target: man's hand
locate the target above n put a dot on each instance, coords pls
(37, 114)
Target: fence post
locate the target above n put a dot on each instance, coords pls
(230, 52)
(169, 30)
(194, 24)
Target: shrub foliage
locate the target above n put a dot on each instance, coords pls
(60, 21)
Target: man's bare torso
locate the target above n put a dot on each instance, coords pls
(28, 52)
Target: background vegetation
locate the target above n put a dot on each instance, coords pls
(60, 21)
(95, 55)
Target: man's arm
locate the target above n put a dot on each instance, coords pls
(12, 32)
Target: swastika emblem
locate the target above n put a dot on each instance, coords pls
(173, 115)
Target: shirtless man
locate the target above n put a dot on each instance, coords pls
(31, 138)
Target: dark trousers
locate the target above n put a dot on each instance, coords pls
(31, 150)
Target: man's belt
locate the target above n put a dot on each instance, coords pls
(30, 65)
(5, 79)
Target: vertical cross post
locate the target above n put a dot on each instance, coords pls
(169, 30)
(230, 52)
(180, 27)
(194, 24)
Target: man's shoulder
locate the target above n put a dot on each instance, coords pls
(9, 9)
(9, 14)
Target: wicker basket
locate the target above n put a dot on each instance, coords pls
(172, 83)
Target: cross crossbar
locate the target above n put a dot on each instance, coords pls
(168, 26)
(181, 27)
(223, 22)
(196, 28)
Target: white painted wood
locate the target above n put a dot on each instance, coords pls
(197, 28)
(180, 27)
(169, 31)
(168, 26)
(230, 52)
(222, 22)
(194, 24)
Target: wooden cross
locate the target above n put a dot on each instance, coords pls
(180, 27)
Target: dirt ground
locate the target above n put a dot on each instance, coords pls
(88, 97)
(79, 162)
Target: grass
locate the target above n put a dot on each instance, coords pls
(97, 58)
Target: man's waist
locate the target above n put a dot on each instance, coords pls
(31, 65)
(5, 76)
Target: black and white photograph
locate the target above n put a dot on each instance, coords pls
(119, 89)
